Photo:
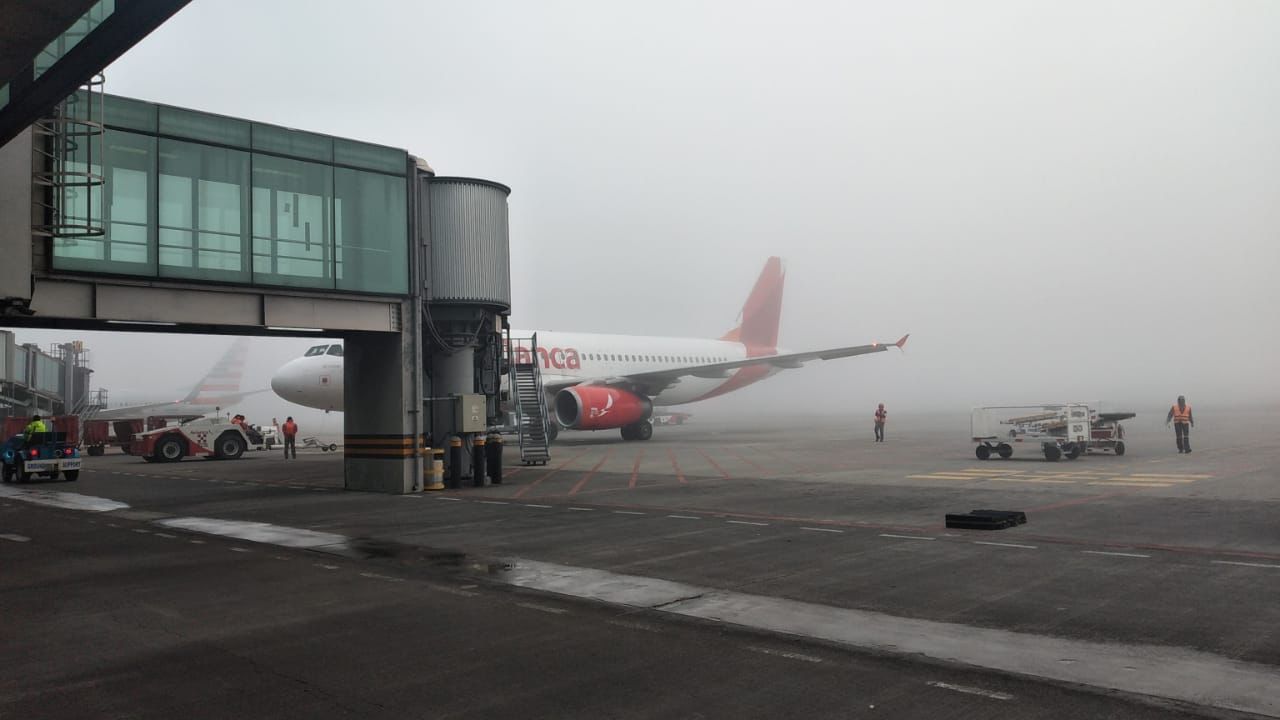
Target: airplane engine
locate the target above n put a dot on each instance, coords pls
(590, 407)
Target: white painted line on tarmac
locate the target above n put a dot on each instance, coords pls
(632, 625)
(578, 509)
(1170, 475)
(166, 535)
(1009, 545)
(451, 591)
(64, 500)
(543, 608)
(535, 505)
(302, 487)
(970, 690)
(1122, 483)
(494, 502)
(814, 529)
(627, 512)
(257, 532)
(281, 557)
(112, 525)
(144, 531)
(906, 537)
(1114, 554)
(378, 576)
(14, 537)
(1244, 564)
(784, 653)
(438, 497)
(326, 567)
(239, 549)
(746, 522)
(196, 542)
(685, 517)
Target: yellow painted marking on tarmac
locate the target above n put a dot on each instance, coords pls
(1130, 484)
(1171, 475)
(945, 477)
(989, 471)
(1045, 481)
(1134, 478)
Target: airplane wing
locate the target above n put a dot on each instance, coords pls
(175, 408)
(652, 383)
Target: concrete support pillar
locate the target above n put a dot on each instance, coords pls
(382, 450)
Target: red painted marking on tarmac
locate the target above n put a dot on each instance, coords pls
(547, 474)
(715, 465)
(675, 466)
(1077, 501)
(749, 461)
(635, 469)
(586, 477)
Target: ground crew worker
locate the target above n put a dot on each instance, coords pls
(1180, 416)
(289, 431)
(35, 426)
(881, 416)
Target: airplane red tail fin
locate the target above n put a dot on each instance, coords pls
(758, 326)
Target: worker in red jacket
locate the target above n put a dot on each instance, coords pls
(290, 432)
(882, 416)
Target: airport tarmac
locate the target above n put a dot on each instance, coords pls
(1153, 557)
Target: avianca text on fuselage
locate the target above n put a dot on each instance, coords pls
(558, 358)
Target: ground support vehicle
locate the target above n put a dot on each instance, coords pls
(1106, 432)
(48, 454)
(1054, 430)
(311, 442)
(212, 438)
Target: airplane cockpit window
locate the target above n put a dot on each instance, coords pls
(317, 350)
(335, 350)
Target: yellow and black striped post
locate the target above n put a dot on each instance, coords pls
(436, 470)
(380, 447)
(477, 461)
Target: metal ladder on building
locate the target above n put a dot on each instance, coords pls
(530, 402)
(69, 156)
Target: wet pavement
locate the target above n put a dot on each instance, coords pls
(1153, 549)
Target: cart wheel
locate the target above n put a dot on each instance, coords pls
(982, 451)
(1004, 450)
(1052, 454)
(1119, 448)
(1073, 452)
(333, 447)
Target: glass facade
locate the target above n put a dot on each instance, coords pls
(87, 23)
(195, 196)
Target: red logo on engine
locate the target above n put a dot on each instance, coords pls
(558, 358)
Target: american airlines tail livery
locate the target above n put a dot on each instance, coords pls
(613, 382)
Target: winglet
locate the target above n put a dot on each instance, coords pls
(903, 342)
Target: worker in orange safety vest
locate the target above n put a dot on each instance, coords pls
(1180, 416)
(290, 432)
(882, 415)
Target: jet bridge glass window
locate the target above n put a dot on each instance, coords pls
(204, 219)
(292, 233)
(124, 206)
(371, 249)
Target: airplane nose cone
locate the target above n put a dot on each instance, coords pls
(287, 381)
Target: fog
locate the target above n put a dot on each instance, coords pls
(1071, 200)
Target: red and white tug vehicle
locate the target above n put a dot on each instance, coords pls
(212, 438)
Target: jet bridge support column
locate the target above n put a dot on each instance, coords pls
(381, 446)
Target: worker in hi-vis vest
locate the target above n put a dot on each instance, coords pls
(35, 426)
(881, 416)
(1180, 416)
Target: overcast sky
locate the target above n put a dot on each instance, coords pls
(1058, 200)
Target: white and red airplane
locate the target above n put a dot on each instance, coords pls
(613, 382)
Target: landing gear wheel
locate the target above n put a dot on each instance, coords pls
(230, 446)
(71, 475)
(627, 432)
(553, 431)
(982, 451)
(642, 430)
(1073, 452)
(1052, 454)
(169, 449)
(1119, 448)
(1004, 450)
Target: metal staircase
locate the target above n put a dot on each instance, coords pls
(69, 159)
(530, 401)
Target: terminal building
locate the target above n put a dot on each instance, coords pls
(120, 214)
(38, 382)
